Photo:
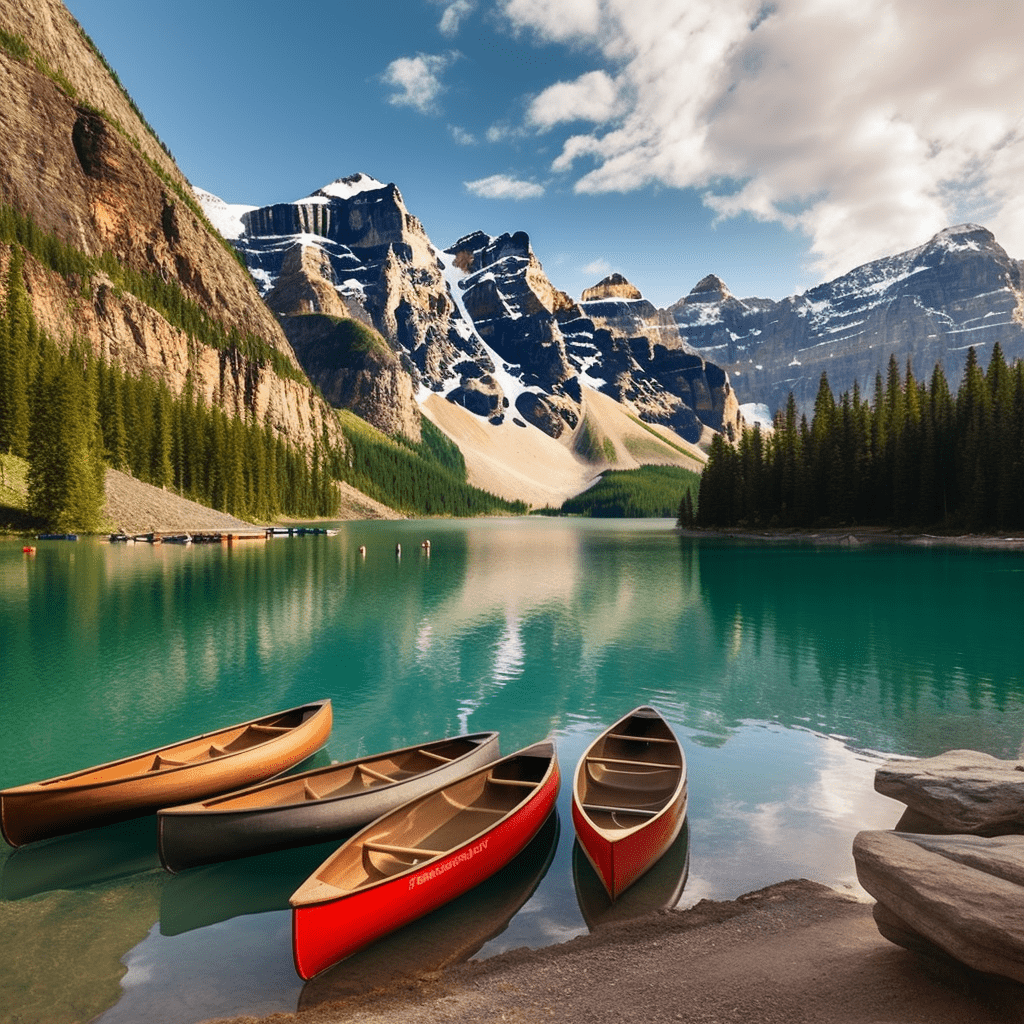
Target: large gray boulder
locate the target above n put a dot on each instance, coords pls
(961, 894)
(961, 791)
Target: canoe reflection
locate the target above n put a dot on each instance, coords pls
(254, 885)
(82, 858)
(659, 889)
(449, 935)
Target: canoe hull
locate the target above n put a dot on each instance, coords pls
(619, 863)
(195, 834)
(620, 851)
(105, 794)
(326, 932)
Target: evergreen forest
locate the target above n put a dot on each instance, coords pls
(646, 492)
(71, 415)
(428, 478)
(915, 455)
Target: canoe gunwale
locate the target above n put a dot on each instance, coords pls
(51, 785)
(208, 806)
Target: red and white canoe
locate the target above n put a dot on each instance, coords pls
(629, 797)
(421, 855)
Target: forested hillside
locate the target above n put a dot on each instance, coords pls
(915, 455)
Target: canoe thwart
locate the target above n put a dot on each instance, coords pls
(522, 783)
(374, 774)
(159, 761)
(638, 811)
(400, 851)
(266, 731)
(440, 758)
(640, 739)
(592, 759)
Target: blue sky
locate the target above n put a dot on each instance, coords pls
(776, 144)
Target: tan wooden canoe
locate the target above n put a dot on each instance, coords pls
(215, 762)
(629, 797)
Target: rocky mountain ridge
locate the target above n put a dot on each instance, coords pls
(927, 305)
(83, 167)
(479, 323)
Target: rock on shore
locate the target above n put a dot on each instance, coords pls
(958, 791)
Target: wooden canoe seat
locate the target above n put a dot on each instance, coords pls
(521, 783)
(373, 773)
(264, 732)
(400, 851)
(638, 811)
(639, 739)
(619, 762)
(440, 758)
(165, 762)
(310, 793)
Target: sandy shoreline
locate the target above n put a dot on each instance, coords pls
(795, 951)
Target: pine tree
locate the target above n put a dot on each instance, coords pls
(16, 352)
(65, 480)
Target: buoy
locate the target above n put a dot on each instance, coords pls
(362, 550)
(28, 550)
(398, 550)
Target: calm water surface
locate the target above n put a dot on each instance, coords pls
(789, 673)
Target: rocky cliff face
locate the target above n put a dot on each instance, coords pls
(480, 323)
(79, 161)
(927, 305)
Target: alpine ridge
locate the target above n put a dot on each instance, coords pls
(479, 323)
(927, 305)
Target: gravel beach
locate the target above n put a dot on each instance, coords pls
(793, 952)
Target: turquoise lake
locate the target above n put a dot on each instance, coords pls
(789, 673)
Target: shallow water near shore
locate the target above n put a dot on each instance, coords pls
(789, 673)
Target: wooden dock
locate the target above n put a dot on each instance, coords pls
(221, 536)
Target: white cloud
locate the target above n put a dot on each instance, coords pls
(453, 16)
(592, 97)
(866, 126)
(417, 80)
(461, 135)
(503, 186)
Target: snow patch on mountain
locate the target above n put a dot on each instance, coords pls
(225, 217)
(346, 188)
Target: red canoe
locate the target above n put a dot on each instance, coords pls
(178, 773)
(421, 855)
(629, 797)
